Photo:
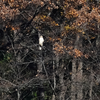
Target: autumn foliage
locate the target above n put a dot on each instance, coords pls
(59, 22)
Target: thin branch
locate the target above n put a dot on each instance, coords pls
(35, 14)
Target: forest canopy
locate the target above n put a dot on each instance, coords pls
(49, 49)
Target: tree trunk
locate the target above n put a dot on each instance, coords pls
(73, 85)
(39, 64)
(18, 94)
(98, 38)
(79, 81)
(63, 88)
(76, 87)
(91, 84)
(54, 81)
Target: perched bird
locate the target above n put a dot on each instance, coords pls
(41, 40)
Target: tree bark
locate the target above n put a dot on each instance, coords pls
(54, 81)
(39, 63)
(18, 94)
(63, 88)
(91, 84)
(62, 84)
(79, 81)
(73, 85)
(76, 86)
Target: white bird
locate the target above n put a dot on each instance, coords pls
(41, 40)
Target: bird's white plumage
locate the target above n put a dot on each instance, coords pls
(41, 40)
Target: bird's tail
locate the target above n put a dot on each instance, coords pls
(40, 48)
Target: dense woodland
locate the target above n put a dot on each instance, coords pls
(66, 66)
